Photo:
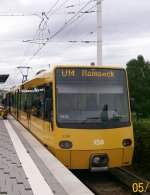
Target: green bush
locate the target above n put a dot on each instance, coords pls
(142, 144)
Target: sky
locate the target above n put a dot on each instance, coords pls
(42, 34)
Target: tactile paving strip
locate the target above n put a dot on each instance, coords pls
(13, 180)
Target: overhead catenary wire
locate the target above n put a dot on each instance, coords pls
(83, 2)
(66, 24)
(56, 9)
(45, 39)
(81, 40)
(69, 22)
(36, 35)
(53, 6)
(73, 27)
(29, 47)
(19, 14)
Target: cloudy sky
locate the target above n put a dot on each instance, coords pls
(49, 32)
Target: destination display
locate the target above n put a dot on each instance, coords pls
(89, 74)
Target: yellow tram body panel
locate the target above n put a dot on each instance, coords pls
(115, 158)
(23, 119)
(86, 145)
(85, 139)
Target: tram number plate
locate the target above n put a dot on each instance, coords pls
(66, 136)
(98, 142)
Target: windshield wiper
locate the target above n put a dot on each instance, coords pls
(75, 120)
(89, 118)
(116, 118)
(69, 120)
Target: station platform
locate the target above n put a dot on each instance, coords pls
(27, 167)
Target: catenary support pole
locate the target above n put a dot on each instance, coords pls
(99, 32)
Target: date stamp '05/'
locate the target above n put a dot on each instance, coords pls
(140, 187)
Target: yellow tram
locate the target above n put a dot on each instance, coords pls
(81, 114)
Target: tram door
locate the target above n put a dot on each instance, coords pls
(48, 111)
(17, 104)
(29, 107)
(8, 102)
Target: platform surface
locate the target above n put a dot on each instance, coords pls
(27, 167)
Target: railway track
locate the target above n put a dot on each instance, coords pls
(102, 183)
(132, 181)
(118, 181)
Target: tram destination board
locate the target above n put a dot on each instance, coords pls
(93, 74)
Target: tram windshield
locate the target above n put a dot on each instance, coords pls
(91, 98)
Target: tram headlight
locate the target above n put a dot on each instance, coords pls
(65, 144)
(126, 142)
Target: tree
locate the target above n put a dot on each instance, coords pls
(139, 84)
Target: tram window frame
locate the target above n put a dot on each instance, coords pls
(29, 100)
(48, 103)
(12, 99)
(19, 99)
(23, 107)
(38, 92)
(15, 100)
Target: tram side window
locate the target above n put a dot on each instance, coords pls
(7, 100)
(38, 102)
(29, 100)
(12, 100)
(15, 100)
(19, 100)
(48, 102)
(23, 106)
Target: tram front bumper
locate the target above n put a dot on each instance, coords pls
(88, 159)
(98, 162)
